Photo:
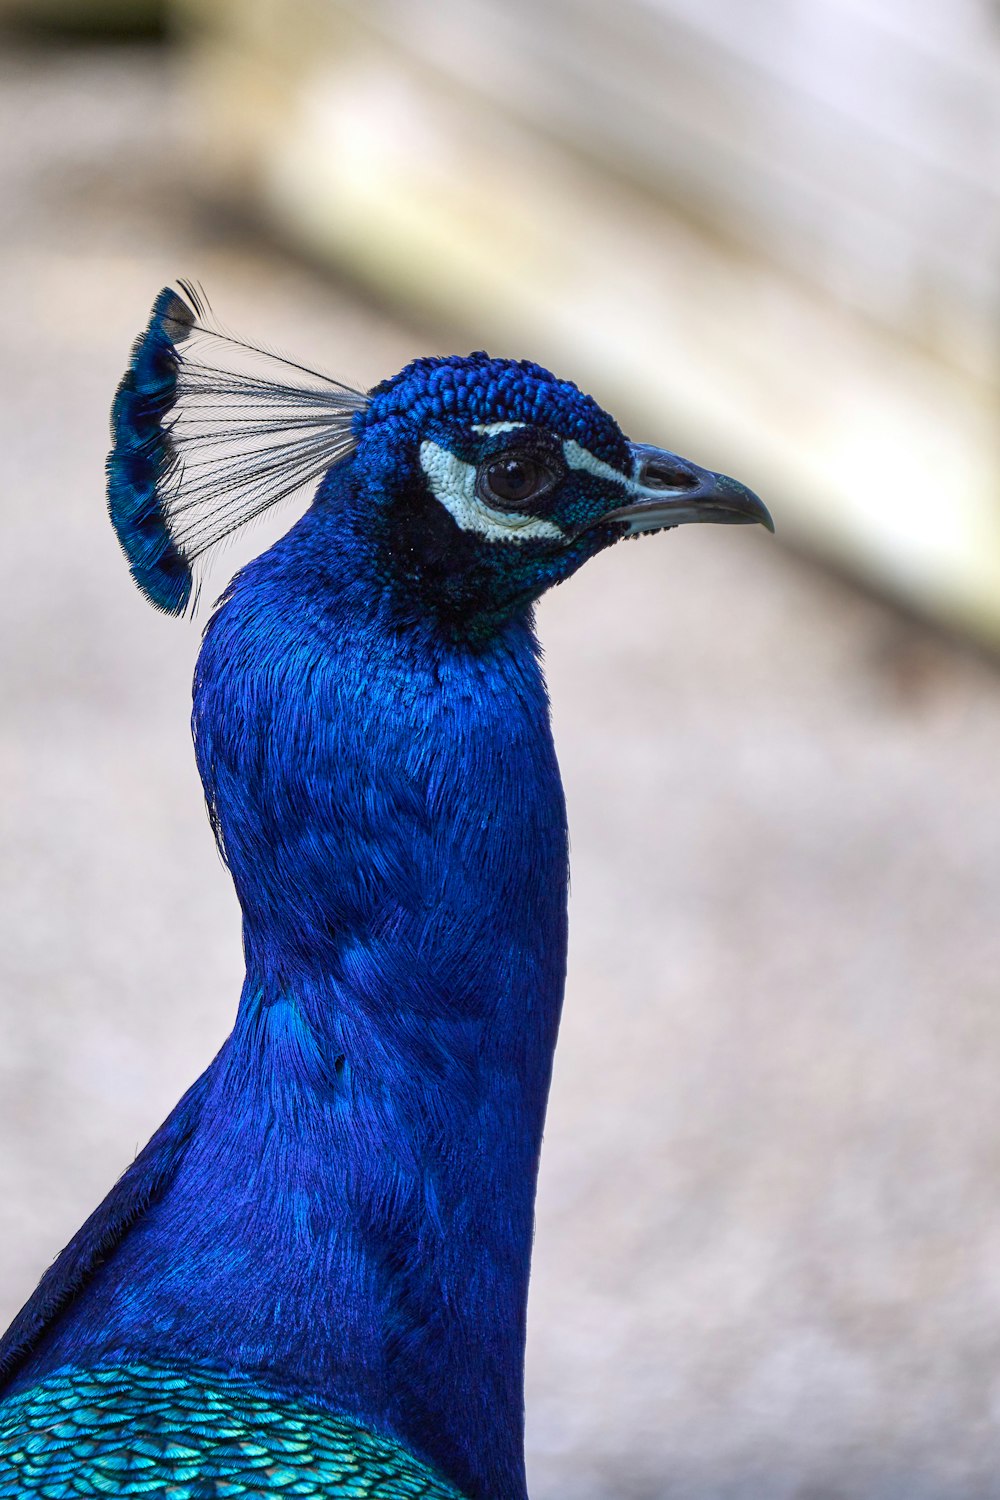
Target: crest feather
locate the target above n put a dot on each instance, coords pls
(208, 432)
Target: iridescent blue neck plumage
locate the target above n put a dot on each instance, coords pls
(323, 1254)
(353, 1213)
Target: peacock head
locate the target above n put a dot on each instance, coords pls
(478, 482)
(494, 480)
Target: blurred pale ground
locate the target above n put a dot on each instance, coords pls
(768, 1248)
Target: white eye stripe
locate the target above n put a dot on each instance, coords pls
(491, 429)
(453, 483)
(581, 458)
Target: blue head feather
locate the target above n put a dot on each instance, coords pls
(474, 389)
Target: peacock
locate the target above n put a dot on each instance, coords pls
(313, 1280)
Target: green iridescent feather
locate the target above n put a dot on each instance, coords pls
(137, 1429)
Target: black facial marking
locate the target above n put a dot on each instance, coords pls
(467, 581)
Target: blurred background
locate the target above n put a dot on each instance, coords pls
(766, 235)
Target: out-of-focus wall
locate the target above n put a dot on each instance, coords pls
(769, 234)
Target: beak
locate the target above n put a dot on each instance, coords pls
(669, 491)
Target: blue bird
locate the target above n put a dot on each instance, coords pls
(313, 1279)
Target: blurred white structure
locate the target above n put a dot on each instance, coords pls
(768, 234)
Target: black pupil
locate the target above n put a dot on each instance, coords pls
(513, 479)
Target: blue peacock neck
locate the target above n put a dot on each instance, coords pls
(389, 805)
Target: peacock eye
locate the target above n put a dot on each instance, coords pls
(513, 480)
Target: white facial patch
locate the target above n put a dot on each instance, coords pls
(453, 483)
(490, 429)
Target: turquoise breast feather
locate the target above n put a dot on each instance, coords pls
(135, 1429)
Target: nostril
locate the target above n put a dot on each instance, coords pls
(661, 474)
